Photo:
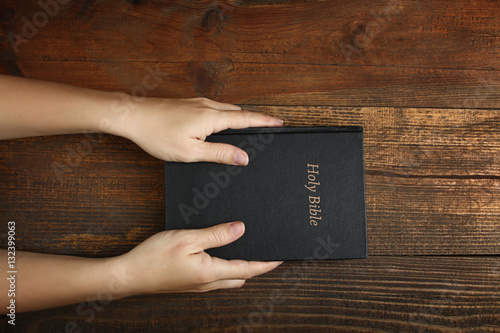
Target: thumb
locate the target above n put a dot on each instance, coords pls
(223, 153)
(219, 235)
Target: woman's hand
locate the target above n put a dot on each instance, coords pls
(169, 129)
(175, 129)
(175, 261)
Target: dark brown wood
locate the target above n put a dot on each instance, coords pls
(432, 183)
(285, 84)
(395, 33)
(353, 53)
(382, 294)
(421, 77)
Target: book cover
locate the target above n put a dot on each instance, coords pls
(301, 196)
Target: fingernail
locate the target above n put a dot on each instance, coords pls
(236, 228)
(240, 159)
(279, 122)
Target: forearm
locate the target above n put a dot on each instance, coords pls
(34, 108)
(169, 129)
(45, 281)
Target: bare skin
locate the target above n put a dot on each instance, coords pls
(169, 129)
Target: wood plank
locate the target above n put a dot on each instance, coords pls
(422, 77)
(281, 84)
(386, 294)
(400, 33)
(406, 54)
(432, 184)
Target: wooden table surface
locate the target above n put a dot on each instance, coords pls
(421, 77)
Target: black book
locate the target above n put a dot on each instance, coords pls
(302, 195)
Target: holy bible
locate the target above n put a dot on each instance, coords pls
(301, 196)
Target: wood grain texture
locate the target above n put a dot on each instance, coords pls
(432, 183)
(421, 77)
(284, 84)
(401, 33)
(350, 53)
(380, 294)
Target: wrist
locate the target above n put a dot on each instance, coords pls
(121, 279)
(108, 112)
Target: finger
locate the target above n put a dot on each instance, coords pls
(217, 236)
(241, 269)
(219, 105)
(222, 153)
(244, 119)
(223, 284)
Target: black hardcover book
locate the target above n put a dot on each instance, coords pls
(302, 195)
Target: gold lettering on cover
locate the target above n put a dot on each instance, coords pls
(314, 201)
